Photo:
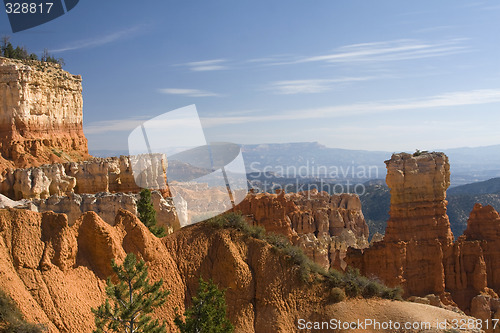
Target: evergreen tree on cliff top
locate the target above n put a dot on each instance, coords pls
(147, 213)
(133, 299)
(208, 312)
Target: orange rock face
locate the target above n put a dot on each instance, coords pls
(472, 268)
(56, 273)
(40, 114)
(418, 251)
(322, 225)
(418, 190)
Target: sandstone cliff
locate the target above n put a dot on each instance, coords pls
(40, 114)
(56, 274)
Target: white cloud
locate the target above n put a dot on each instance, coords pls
(117, 125)
(453, 99)
(459, 98)
(206, 65)
(101, 40)
(188, 92)
(395, 50)
(311, 86)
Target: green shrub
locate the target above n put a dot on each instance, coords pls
(334, 278)
(237, 221)
(278, 241)
(372, 289)
(11, 319)
(336, 295)
(392, 293)
(352, 289)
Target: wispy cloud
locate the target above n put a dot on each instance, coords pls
(206, 65)
(453, 99)
(311, 86)
(371, 52)
(188, 92)
(117, 125)
(101, 40)
(395, 50)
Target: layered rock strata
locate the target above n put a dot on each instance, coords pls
(40, 114)
(323, 225)
(112, 174)
(107, 205)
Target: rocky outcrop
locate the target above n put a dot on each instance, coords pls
(56, 273)
(418, 191)
(112, 174)
(418, 235)
(323, 225)
(40, 114)
(472, 272)
(418, 252)
(107, 205)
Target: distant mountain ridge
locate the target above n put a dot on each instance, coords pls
(489, 186)
(468, 165)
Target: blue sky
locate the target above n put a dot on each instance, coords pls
(375, 75)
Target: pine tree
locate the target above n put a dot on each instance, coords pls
(8, 52)
(147, 213)
(133, 298)
(5, 41)
(208, 312)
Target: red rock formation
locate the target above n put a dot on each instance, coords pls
(56, 274)
(270, 211)
(472, 268)
(40, 114)
(418, 190)
(322, 225)
(418, 252)
(418, 232)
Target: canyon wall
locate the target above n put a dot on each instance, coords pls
(40, 114)
(323, 225)
(418, 251)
